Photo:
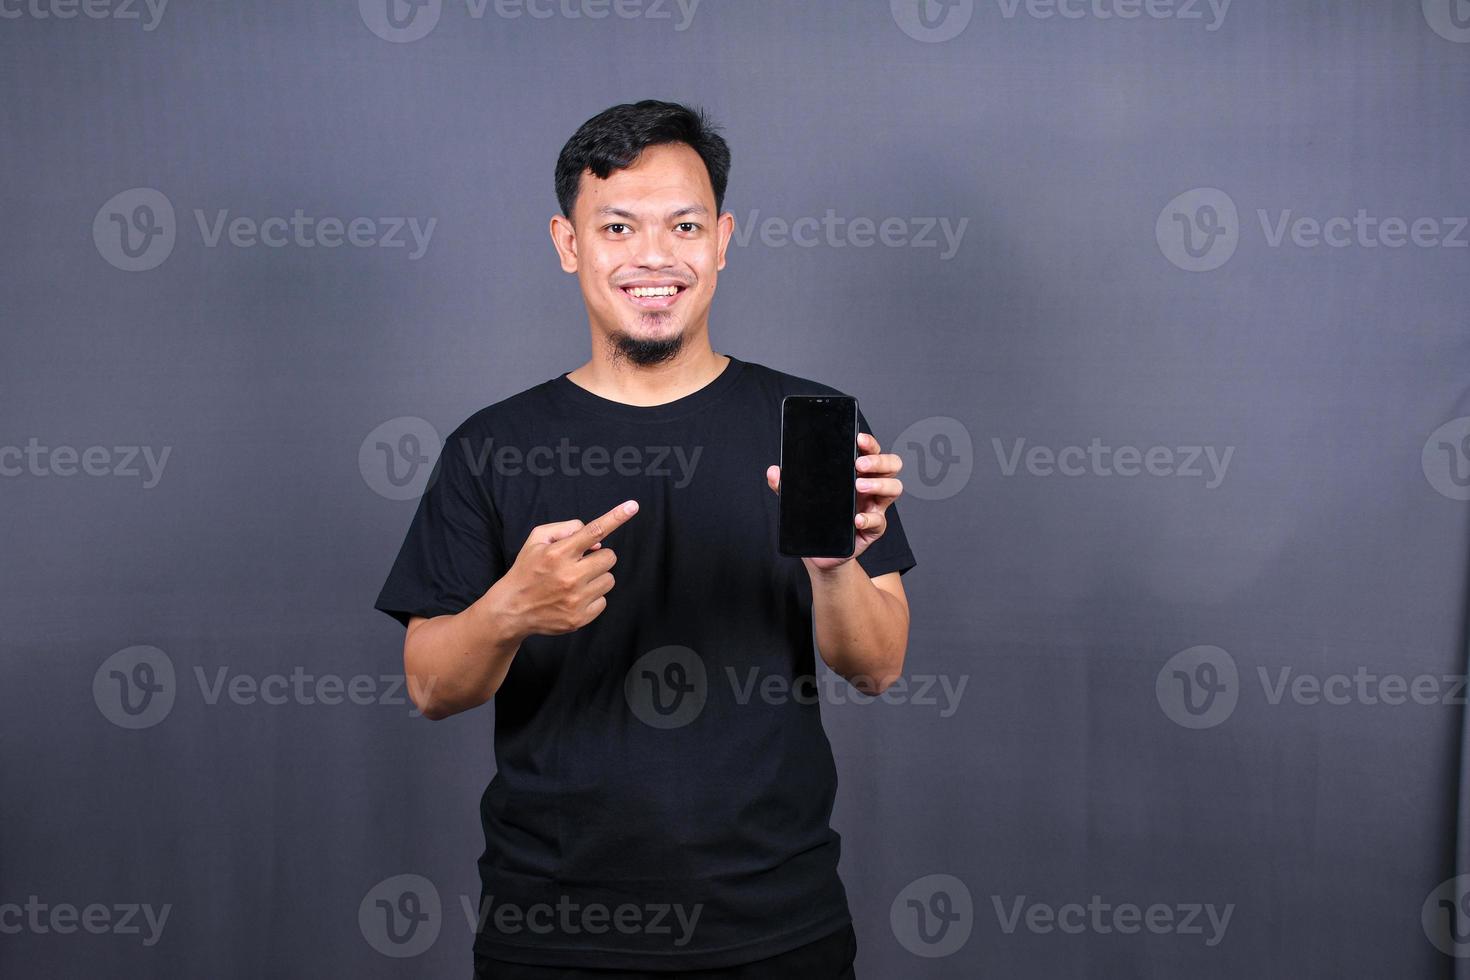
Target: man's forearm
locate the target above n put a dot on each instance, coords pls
(458, 662)
(862, 631)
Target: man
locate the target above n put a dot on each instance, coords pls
(664, 786)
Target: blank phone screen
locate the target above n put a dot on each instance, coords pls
(818, 447)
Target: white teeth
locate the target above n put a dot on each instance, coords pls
(644, 291)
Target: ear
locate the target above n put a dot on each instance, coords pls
(724, 228)
(564, 238)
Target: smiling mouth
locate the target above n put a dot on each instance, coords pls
(653, 297)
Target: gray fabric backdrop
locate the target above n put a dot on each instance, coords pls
(1164, 301)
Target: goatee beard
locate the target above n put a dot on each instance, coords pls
(646, 352)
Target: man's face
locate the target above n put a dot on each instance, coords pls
(647, 247)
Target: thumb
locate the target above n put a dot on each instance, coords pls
(773, 478)
(547, 533)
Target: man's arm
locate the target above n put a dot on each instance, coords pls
(457, 662)
(862, 624)
(559, 583)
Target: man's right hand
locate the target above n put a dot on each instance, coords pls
(560, 579)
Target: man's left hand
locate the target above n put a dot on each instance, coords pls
(878, 487)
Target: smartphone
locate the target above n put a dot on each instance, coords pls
(818, 474)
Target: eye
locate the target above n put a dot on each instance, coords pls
(688, 226)
(614, 227)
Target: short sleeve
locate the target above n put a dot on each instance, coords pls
(453, 551)
(891, 552)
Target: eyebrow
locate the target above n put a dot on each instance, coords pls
(612, 212)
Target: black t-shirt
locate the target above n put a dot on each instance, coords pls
(664, 785)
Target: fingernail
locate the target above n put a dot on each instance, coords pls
(630, 507)
(865, 484)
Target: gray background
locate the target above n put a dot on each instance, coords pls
(1336, 377)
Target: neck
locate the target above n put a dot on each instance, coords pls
(619, 379)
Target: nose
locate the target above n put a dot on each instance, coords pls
(654, 248)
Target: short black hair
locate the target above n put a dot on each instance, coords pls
(614, 138)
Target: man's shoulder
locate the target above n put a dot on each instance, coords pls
(528, 403)
(785, 383)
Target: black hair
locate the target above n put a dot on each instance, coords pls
(614, 138)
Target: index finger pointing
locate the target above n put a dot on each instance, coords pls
(595, 531)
